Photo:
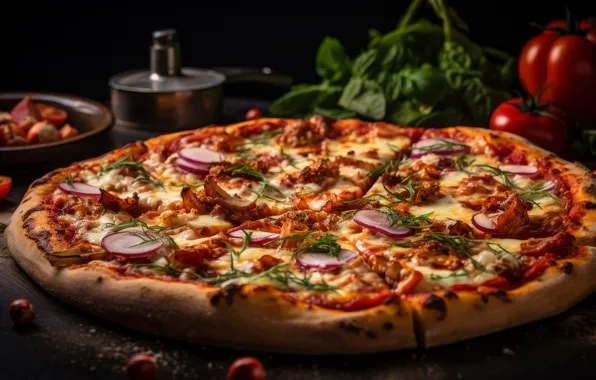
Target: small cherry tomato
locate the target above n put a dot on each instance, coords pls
(246, 368)
(141, 366)
(539, 123)
(52, 114)
(5, 186)
(254, 113)
(21, 312)
(67, 131)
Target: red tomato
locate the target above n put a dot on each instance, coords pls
(52, 114)
(526, 119)
(5, 186)
(562, 63)
(253, 113)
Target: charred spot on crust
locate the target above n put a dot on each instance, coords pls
(589, 205)
(39, 181)
(387, 326)
(500, 294)
(450, 295)
(226, 293)
(31, 211)
(99, 279)
(350, 327)
(370, 334)
(42, 239)
(26, 199)
(435, 302)
(566, 267)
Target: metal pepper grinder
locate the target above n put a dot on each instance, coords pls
(171, 97)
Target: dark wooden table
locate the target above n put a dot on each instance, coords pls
(66, 343)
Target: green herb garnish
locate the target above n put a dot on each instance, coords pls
(151, 233)
(68, 180)
(247, 171)
(387, 166)
(498, 249)
(287, 157)
(245, 242)
(193, 186)
(143, 177)
(410, 221)
(461, 164)
(326, 244)
(277, 274)
(3, 227)
(443, 144)
(263, 138)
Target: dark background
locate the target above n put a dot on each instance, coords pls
(74, 48)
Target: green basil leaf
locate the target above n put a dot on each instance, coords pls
(393, 86)
(439, 119)
(364, 64)
(364, 97)
(296, 101)
(335, 113)
(425, 84)
(403, 113)
(332, 63)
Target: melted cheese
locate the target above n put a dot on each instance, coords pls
(446, 207)
(209, 221)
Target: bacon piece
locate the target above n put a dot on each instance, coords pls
(266, 262)
(479, 184)
(116, 204)
(322, 171)
(300, 133)
(191, 202)
(453, 228)
(196, 256)
(510, 214)
(555, 244)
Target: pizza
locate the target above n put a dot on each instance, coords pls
(315, 236)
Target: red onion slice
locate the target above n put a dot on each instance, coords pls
(191, 167)
(201, 156)
(519, 169)
(81, 190)
(255, 236)
(378, 221)
(324, 262)
(130, 244)
(548, 186)
(484, 224)
(442, 147)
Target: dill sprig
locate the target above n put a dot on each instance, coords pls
(460, 244)
(193, 186)
(461, 164)
(151, 232)
(68, 180)
(498, 249)
(387, 166)
(278, 274)
(443, 144)
(326, 244)
(245, 242)
(288, 157)
(295, 237)
(247, 171)
(525, 194)
(143, 177)
(410, 221)
(263, 138)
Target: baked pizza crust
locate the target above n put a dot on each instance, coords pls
(249, 318)
(262, 318)
(447, 317)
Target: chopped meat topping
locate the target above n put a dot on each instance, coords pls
(301, 133)
(323, 170)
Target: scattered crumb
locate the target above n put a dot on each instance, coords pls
(508, 351)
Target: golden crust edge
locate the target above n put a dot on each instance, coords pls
(261, 320)
(553, 293)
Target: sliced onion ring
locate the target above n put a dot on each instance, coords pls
(81, 190)
(443, 150)
(378, 221)
(129, 244)
(191, 167)
(324, 262)
(548, 186)
(484, 224)
(200, 155)
(519, 169)
(255, 236)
